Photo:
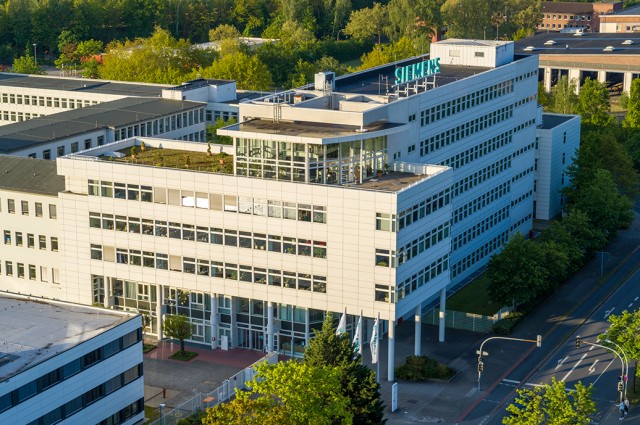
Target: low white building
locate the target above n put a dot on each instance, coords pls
(83, 367)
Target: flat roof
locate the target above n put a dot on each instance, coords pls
(632, 11)
(566, 7)
(82, 85)
(393, 181)
(33, 331)
(311, 130)
(113, 114)
(199, 83)
(590, 43)
(553, 120)
(30, 175)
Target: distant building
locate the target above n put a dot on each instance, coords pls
(624, 21)
(69, 364)
(560, 15)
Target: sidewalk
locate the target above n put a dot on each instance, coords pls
(445, 402)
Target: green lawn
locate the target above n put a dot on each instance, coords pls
(173, 158)
(474, 298)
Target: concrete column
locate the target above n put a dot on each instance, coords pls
(215, 322)
(626, 82)
(443, 309)
(602, 76)
(269, 327)
(575, 74)
(547, 79)
(418, 330)
(107, 292)
(391, 351)
(159, 303)
(234, 323)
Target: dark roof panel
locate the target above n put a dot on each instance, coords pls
(566, 7)
(587, 44)
(30, 175)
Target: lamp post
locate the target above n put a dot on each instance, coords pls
(624, 373)
(481, 353)
(625, 378)
(338, 35)
(161, 415)
(35, 55)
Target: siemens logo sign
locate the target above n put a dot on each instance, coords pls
(417, 70)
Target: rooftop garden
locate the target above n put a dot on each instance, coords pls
(174, 158)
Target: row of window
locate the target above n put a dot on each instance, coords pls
(480, 227)
(124, 414)
(522, 150)
(101, 391)
(217, 269)
(70, 369)
(560, 26)
(31, 240)
(424, 242)
(46, 101)
(480, 253)
(161, 125)
(520, 222)
(466, 129)
(481, 201)
(522, 174)
(24, 208)
(212, 201)
(14, 116)
(521, 198)
(424, 208)
(465, 102)
(479, 150)
(31, 269)
(422, 277)
(481, 176)
(213, 235)
(568, 17)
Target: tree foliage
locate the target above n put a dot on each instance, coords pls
(563, 97)
(248, 71)
(178, 327)
(287, 393)
(368, 22)
(624, 332)
(632, 119)
(593, 103)
(382, 54)
(26, 65)
(357, 381)
(551, 404)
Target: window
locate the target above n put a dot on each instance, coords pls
(42, 242)
(478, 54)
(54, 243)
(43, 274)
(53, 212)
(11, 206)
(60, 151)
(38, 209)
(31, 240)
(87, 144)
(46, 154)
(382, 257)
(21, 270)
(74, 147)
(7, 237)
(32, 272)
(24, 207)
(18, 238)
(96, 252)
(8, 268)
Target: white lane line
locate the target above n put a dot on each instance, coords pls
(630, 305)
(574, 367)
(636, 298)
(608, 312)
(560, 362)
(592, 347)
(511, 381)
(515, 383)
(593, 367)
(602, 373)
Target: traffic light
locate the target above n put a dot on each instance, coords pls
(480, 366)
(578, 341)
(620, 386)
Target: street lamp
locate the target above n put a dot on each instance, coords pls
(35, 56)
(338, 35)
(161, 415)
(481, 353)
(625, 378)
(622, 363)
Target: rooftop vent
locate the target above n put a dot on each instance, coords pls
(549, 43)
(609, 49)
(627, 42)
(529, 49)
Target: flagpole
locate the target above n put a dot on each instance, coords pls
(377, 350)
(360, 334)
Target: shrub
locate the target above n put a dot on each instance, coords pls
(420, 368)
(505, 326)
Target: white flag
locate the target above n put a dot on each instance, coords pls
(342, 326)
(374, 343)
(357, 339)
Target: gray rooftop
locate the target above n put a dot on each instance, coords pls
(550, 121)
(632, 11)
(590, 43)
(34, 331)
(82, 85)
(30, 175)
(115, 114)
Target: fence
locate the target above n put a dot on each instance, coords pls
(467, 321)
(221, 394)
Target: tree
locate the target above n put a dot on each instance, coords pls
(563, 97)
(413, 18)
(516, 273)
(368, 22)
(551, 404)
(212, 129)
(357, 381)
(286, 393)
(593, 103)
(26, 65)
(178, 327)
(632, 119)
(624, 332)
(382, 54)
(576, 236)
(248, 71)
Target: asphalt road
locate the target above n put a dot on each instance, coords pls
(522, 364)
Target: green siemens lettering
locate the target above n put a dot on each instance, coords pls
(416, 71)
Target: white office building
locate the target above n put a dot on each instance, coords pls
(371, 193)
(83, 367)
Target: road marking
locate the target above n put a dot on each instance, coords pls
(592, 347)
(636, 298)
(471, 392)
(607, 313)
(560, 362)
(630, 305)
(593, 367)
(602, 373)
(511, 381)
(574, 367)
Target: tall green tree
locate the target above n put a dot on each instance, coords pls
(517, 275)
(632, 119)
(593, 103)
(286, 393)
(552, 404)
(368, 22)
(563, 97)
(624, 332)
(248, 71)
(578, 238)
(409, 18)
(178, 327)
(357, 381)
(26, 65)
